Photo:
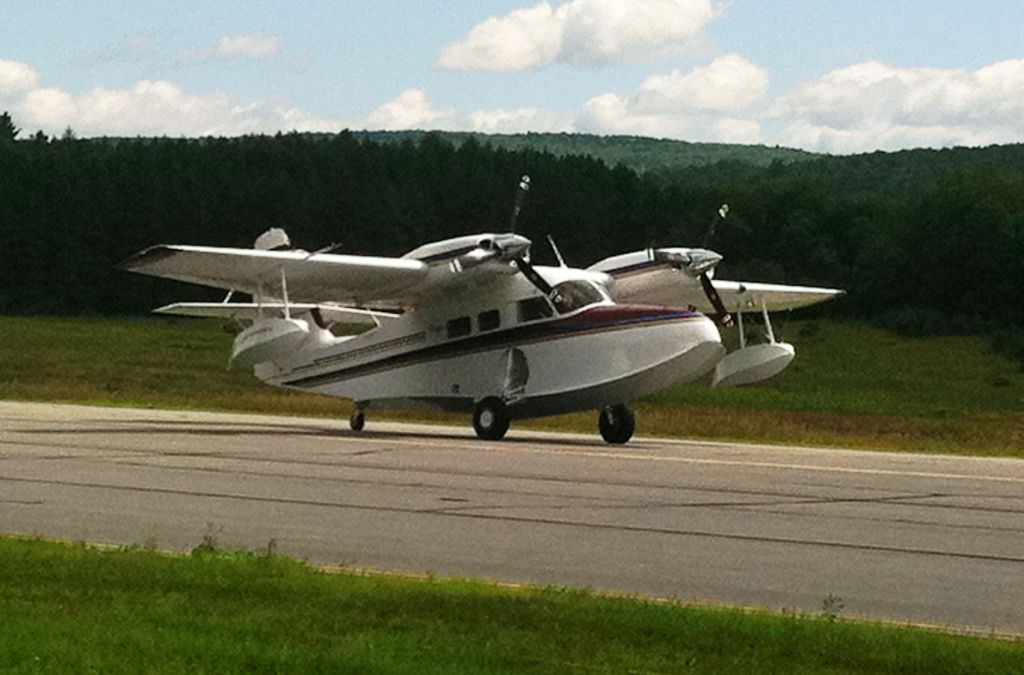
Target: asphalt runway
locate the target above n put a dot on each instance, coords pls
(895, 536)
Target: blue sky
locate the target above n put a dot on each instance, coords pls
(837, 77)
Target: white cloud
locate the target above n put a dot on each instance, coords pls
(733, 130)
(149, 108)
(684, 104)
(240, 46)
(162, 108)
(874, 105)
(520, 120)
(411, 110)
(862, 107)
(521, 39)
(611, 114)
(578, 32)
(730, 82)
(598, 32)
(49, 108)
(16, 76)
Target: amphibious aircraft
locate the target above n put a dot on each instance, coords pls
(471, 325)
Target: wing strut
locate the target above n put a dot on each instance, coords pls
(284, 295)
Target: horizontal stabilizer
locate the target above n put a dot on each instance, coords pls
(251, 311)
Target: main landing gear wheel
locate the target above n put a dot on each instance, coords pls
(617, 423)
(357, 421)
(490, 419)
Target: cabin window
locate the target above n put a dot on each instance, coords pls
(569, 296)
(534, 308)
(488, 320)
(459, 327)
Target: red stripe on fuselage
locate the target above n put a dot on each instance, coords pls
(606, 315)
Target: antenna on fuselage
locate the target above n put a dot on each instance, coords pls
(524, 187)
(558, 254)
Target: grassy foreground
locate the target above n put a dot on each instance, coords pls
(72, 608)
(851, 385)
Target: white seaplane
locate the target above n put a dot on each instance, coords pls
(470, 325)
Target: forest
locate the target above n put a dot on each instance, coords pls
(926, 241)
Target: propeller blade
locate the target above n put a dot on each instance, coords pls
(723, 211)
(524, 187)
(533, 276)
(722, 315)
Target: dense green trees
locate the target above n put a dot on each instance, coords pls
(8, 132)
(921, 238)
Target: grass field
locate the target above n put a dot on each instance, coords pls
(851, 385)
(72, 608)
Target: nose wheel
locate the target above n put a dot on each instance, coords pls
(490, 419)
(617, 423)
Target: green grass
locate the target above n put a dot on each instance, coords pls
(851, 385)
(855, 369)
(72, 608)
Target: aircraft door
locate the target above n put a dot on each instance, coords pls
(517, 374)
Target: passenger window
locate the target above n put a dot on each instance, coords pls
(534, 308)
(459, 327)
(488, 320)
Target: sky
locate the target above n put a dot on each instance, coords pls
(839, 77)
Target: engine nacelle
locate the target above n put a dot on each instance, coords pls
(268, 339)
(752, 364)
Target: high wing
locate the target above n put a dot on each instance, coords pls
(661, 277)
(741, 296)
(430, 272)
(312, 278)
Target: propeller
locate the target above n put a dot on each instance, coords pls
(722, 316)
(502, 247)
(698, 263)
(521, 261)
(512, 248)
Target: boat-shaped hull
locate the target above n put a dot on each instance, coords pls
(601, 356)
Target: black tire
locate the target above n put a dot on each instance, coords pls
(357, 421)
(490, 419)
(617, 423)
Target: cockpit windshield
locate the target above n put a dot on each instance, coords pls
(569, 296)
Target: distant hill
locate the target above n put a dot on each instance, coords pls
(637, 152)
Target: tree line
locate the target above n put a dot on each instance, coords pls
(921, 240)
